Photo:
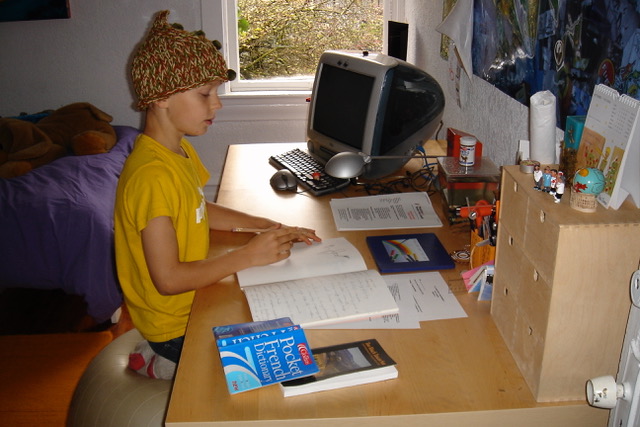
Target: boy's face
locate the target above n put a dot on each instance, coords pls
(193, 111)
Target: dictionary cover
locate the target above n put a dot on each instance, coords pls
(250, 328)
(267, 357)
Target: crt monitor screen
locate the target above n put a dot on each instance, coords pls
(342, 103)
(372, 103)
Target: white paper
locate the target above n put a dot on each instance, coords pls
(307, 261)
(420, 297)
(389, 211)
(458, 26)
(615, 117)
(542, 127)
(323, 300)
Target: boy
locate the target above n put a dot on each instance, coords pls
(162, 219)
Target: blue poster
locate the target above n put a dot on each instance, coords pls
(564, 46)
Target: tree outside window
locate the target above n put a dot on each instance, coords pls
(285, 38)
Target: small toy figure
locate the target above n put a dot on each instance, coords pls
(554, 179)
(546, 179)
(560, 184)
(537, 177)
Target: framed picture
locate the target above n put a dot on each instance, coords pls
(31, 10)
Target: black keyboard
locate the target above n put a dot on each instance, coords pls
(309, 172)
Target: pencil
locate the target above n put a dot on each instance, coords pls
(249, 230)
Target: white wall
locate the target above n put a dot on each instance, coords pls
(48, 64)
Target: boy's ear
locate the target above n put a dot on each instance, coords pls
(163, 103)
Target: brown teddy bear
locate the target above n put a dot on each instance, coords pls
(80, 128)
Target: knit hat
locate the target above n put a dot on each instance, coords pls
(172, 60)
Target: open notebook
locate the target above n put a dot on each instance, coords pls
(320, 284)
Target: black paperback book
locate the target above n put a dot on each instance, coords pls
(344, 365)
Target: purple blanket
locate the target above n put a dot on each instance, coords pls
(56, 227)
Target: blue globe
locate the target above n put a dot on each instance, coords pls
(588, 181)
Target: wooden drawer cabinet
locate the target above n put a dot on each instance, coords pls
(516, 199)
(542, 236)
(561, 286)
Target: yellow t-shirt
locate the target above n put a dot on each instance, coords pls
(158, 182)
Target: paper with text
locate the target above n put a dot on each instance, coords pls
(388, 211)
(323, 300)
(420, 297)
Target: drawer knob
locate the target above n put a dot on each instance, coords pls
(535, 275)
(542, 216)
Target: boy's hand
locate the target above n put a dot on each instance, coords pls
(275, 245)
(304, 235)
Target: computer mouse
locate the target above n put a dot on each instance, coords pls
(284, 180)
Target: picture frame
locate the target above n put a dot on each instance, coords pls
(33, 10)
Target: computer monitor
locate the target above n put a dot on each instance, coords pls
(374, 104)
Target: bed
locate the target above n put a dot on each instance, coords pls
(56, 227)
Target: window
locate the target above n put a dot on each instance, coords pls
(246, 44)
(262, 100)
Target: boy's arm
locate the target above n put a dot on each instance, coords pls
(170, 276)
(225, 219)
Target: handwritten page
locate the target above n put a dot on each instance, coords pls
(307, 261)
(389, 211)
(323, 300)
(420, 297)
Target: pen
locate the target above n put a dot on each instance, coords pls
(249, 230)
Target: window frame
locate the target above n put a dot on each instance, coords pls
(264, 99)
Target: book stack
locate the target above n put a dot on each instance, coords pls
(257, 354)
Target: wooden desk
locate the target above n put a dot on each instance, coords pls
(451, 372)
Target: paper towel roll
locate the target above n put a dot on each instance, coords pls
(542, 127)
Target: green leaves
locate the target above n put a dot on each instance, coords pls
(286, 38)
(243, 25)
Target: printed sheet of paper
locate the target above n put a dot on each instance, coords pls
(307, 261)
(420, 297)
(388, 211)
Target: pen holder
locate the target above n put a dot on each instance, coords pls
(481, 251)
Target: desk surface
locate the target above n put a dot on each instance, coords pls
(454, 372)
